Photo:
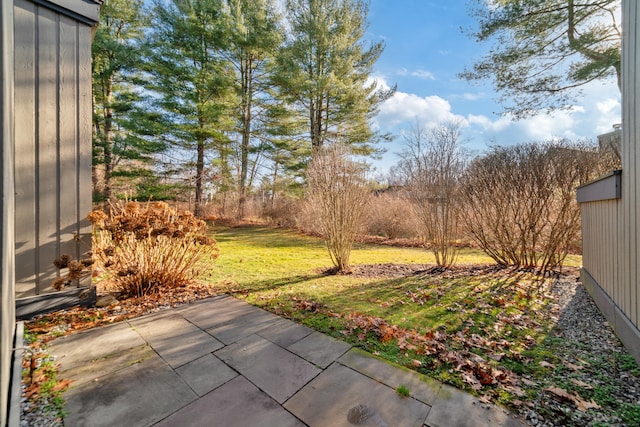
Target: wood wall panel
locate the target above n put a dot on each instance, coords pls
(53, 160)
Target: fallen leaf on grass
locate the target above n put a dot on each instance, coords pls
(572, 366)
(546, 364)
(62, 385)
(560, 393)
(471, 380)
(496, 356)
(582, 404)
(515, 390)
(485, 399)
(581, 384)
(33, 389)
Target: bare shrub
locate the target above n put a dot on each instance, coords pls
(141, 247)
(520, 203)
(433, 163)
(338, 195)
(391, 216)
(307, 218)
(282, 211)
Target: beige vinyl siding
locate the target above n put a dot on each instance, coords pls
(628, 298)
(611, 226)
(7, 293)
(601, 244)
(53, 153)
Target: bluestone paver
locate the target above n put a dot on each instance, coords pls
(139, 395)
(176, 340)
(273, 369)
(330, 399)
(285, 332)
(77, 349)
(242, 327)
(206, 373)
(216, 311)
(457, 408)
(423, 388)
(96, 368)
(319, 349)
(238, 403)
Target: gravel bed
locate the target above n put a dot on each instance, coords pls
(596, 360)
(41, 415)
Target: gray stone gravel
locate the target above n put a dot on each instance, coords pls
(39, 416)
(587, 342)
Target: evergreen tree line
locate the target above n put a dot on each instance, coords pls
(195, 99)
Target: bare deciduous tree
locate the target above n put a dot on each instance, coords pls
(520, 204)
(433, 163)
(338, 193)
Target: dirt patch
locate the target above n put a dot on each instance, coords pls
(392, 270)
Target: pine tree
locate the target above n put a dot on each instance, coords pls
(324, 68)
(544, 51)
(254, 35)
(123, 145)
(193, 83)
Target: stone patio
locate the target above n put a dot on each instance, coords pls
(222, 362)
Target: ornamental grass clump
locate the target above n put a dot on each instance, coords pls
(140, 248)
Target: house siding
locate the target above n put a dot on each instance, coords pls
(611, 227)
(45, 156)
(7, 292)
(602, 248)
(53, 157)
(629, 299)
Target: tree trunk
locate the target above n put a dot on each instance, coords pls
(198, 208)
(246, 71)
(108, 140)
(274, 185)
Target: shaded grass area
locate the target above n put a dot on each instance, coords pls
(478, 326)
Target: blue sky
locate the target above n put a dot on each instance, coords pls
(426, 49)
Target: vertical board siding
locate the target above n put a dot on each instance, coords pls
(600, 243)
(47, 149)
(68, 135)
(628, 299)
(611, 228)
(53, 159)
(7, 191)
(25, 155)
(83, 165)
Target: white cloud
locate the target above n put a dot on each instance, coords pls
(546, 126)
(421, 74)
(402, 109)
(486, 124)
(598, 110)
(470, 96)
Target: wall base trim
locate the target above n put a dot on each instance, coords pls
(15, 384)
(626, 331)
(26, 308)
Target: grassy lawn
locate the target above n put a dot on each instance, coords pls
(479, 328)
